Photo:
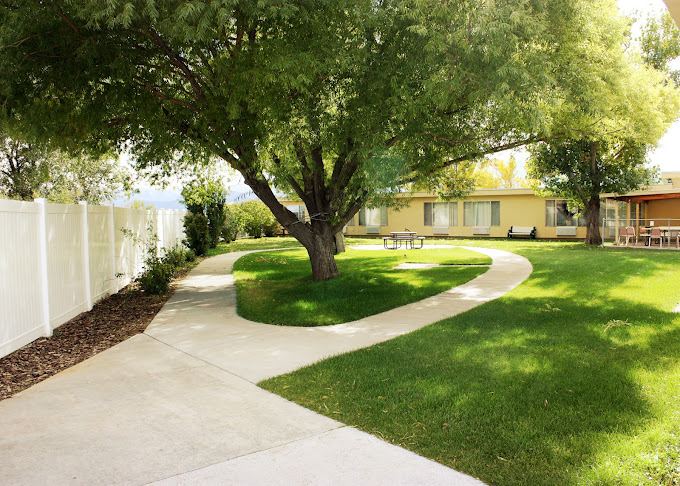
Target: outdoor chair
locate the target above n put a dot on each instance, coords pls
(655, 234)
(643, 234)
(674, 235)
(627, 234)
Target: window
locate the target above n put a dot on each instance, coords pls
(560, 212)
(441, 214)
(373, 217)
(637, 214)
(482, 213)
(298, 210)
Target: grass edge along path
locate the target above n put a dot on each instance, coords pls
(276, 287)
(571, 378)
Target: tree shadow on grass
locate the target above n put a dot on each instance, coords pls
(280, 291)
(511, 392)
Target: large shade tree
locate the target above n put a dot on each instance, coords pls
(609, 120)
(337, 102)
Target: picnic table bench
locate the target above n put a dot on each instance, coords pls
(407, 237)
(529, 231)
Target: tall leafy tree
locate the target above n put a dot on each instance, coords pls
(608, 119)
(659, 43)
(30, 170)
(335, 101)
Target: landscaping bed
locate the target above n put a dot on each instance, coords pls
(111, 321)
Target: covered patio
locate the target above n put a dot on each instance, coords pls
(644, 219)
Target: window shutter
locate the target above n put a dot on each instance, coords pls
(383, 216)
(362, 217)
(428, 214)
(495, 213)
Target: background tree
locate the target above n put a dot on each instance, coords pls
(583, 169)
(204, 199)
(23, 169)
(28, 171)
(659, 43)
(258, 220)
(337, 102)
(609, 118)
(494, 173)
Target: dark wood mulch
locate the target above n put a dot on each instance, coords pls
(111, 321)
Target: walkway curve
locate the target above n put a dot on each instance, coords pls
(256, 351)
(178, 404)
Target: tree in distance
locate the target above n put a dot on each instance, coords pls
(610, 124)
(339, 103)
(30, 170)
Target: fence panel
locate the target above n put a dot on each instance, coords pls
(20, 273)
(65, 266)
(57, 259)
(101, 239)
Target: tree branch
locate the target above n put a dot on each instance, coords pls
(178, 61)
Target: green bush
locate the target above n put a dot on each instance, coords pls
(156, 276)
(197, 233)
(258, 219)
(190, 255)
(207, 198)
(175, 256)
(233, 222)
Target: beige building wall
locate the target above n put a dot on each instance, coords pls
(663, 209)
(518, 207)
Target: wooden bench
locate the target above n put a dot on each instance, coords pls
(529, 231)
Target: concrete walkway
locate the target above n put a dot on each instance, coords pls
(178, 404)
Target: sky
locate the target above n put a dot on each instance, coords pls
(666, 156)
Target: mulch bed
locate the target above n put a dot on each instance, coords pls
(111, 321)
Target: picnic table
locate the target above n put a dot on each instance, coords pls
(396, 238)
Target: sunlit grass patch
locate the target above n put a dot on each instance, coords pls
(276, 287)
(572, 378)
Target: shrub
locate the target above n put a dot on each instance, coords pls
(233, 222)
(258, 219)
(207, 198)
(190, 255)
(197, 233)
(156, 276)
(175, 257)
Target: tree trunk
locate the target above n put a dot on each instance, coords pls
(593, 236)
(321, 256)
(339, 242)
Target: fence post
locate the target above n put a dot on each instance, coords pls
(160, 231)
(112, 246)
(44, 284)
(86, 255)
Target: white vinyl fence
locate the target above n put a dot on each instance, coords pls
(56, 260)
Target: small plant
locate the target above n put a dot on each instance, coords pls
(156, 276)
(158, 271)
(189, 255)
(176, 256)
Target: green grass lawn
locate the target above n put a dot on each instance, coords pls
(572, 378)
(276, 287)
(249, 244)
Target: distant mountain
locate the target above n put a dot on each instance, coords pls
(160, 199)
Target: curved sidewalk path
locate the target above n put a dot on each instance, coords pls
(178, 404)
